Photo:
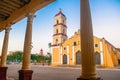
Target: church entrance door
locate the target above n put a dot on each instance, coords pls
(97, 57)
(78, 58)
(64, 59)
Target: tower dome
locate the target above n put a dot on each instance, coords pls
(60, 13)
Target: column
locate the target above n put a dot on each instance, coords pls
(3, 68)
(61, 59)
(73, 54)
(68, 56)
(101, 52)
(26, 72)
(87, 44)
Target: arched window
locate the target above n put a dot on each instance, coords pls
(64, 59)
(78, 57)
(56, 31)
(97, 57)
(63, 40)
(63, 31)
(57, 21)
(63, 21)
(74, 44)
(56, 41)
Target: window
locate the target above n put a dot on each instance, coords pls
(63, 40)
(56, 41)
(75, 44)
(63, 31)
(96, 45)
(63, 21)
(56, 31)
(64, 48)
(57, 21)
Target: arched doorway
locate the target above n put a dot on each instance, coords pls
(64, 59)
(119, 61)
(97, 58)
(78, 57)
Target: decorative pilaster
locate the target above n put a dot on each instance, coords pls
(3, 68)
(73, 54)
(26, 72)
(61, 60)
(68, 59)
(101, 52)
(87, 44)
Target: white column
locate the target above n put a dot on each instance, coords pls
(61, 61)
(87, 44)
(68, 56)
(101, 52)
(52, 54)
(27, 43)
(5, 47)
(73, 54)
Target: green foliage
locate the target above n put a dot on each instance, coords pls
(48, 57)
(15, 56)
(49, 45)
(35, 57)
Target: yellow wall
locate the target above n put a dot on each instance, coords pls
(55, 56)
(110, 54)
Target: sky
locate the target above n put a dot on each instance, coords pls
(105, 20)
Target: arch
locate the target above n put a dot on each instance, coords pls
(56, 41)
(63, 31)
(97, 58)
(57, 21)
(119, 61)
(56, 31)
(64, 59)
(78, 57)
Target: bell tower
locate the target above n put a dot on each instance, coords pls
(60, 29)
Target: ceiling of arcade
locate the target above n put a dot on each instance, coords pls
(11, 11)
(7, 7)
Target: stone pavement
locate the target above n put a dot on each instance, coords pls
(61, 73)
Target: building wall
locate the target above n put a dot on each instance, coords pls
(56, 56)
(109, 53)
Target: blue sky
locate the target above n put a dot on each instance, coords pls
(105, 19)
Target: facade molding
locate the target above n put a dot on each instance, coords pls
(73, 54)
(68, 56)
(60, 24)
(59, 34)
(101, 53)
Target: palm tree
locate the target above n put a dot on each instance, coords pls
(49, 45)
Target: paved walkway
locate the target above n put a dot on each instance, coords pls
(61, 73)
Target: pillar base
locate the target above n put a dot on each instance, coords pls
(3, 72)
(25, 74)
(98, 78)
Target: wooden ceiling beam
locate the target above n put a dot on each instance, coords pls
(5, 11)
(12, 3)
(18, 2)
(25, 1)
(21, 13)
(8, 5)
(4, 14)
(6, 8)
(2, 17)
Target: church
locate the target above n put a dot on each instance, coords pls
(67, 51)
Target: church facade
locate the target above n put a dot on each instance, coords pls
(67, 51)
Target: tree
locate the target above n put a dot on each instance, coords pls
(49, 45)
(15, 56)
(48, 57)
